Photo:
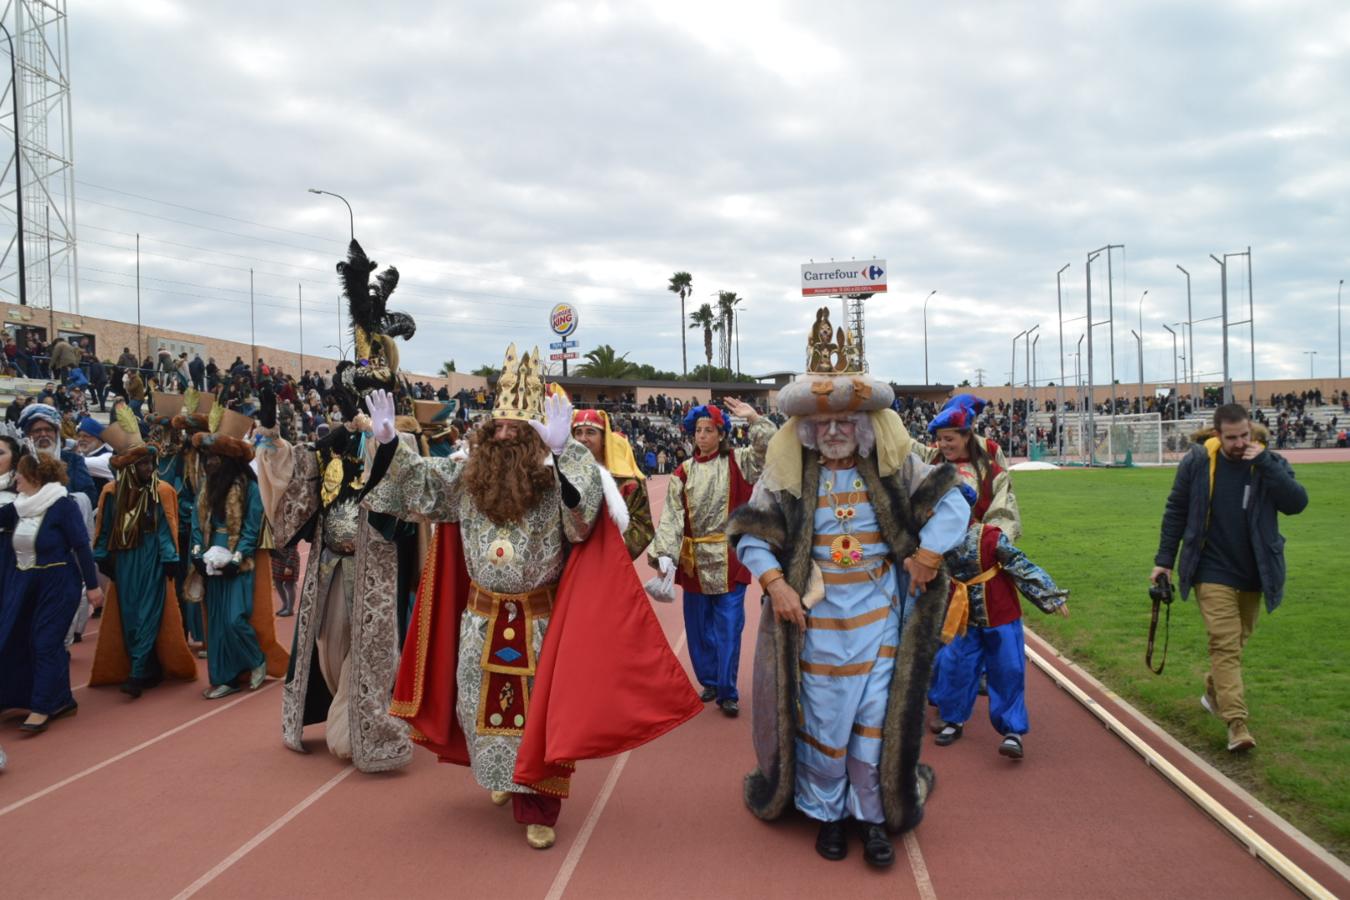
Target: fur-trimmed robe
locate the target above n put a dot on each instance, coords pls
(786, 523)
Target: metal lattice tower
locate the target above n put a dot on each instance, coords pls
(41, 94)
(853, 318)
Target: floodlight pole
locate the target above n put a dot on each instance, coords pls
(1140, 341)
(1092, 433)
(1190, 330)
(1312, 355)
(1223, 314)
(1176, 386)
(1012, 386)
(1059, 391)
(1339, 285)
(18, 174)
(925, 335)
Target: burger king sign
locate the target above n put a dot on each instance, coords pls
(563, 319)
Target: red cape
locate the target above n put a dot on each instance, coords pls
(606, 680)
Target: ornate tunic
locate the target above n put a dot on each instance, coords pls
(513, 568)
(347, 614)
(699, 500)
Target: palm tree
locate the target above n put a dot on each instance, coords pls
(704, 318)
(682, 283)
(447, 368)
(603, 362)
(726, 315)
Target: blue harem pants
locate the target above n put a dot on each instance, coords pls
(713, 624)
(1001, 652)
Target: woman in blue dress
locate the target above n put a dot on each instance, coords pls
(49, 561)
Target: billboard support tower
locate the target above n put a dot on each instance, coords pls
(36, 136)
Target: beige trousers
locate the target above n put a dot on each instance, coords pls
(1230, 617)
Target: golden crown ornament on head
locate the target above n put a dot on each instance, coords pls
(520, 388)
(835, 380)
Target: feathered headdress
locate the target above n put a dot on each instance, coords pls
(374, 327)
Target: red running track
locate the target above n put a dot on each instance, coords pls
(173, 796)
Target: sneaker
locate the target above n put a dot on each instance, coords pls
(1011, 746)
(708, 694)
(1240, 739)
(730, 708)
(1210, 703)
(949, 734)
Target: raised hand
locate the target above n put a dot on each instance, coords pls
(381, 405)
(557, 425)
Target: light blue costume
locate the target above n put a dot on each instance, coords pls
(849, 648)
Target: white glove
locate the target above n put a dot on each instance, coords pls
(659, 589)
(216, 558)
(381, 406)
(665, 564)
(557, 424)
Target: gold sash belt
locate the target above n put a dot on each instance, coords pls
(538, 602)
(958, 610)
(688, 562)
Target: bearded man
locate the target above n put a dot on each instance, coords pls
(691, 546)
(89, 443)
(136, 546)
(509, 622)
(845, 532)
(41, 424)
(591, 427)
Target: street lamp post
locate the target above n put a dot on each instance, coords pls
(300, 309)
(1141, 311)
(925, 335)
(351, 227)
(1059, 390)
(18, 173)
(1012, 381)
(1312, 355)
(1176, 386)
(1092, 424)
(1026, 398)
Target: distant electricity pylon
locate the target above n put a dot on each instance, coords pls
(36, 105)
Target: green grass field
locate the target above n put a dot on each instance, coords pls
(1096, 531)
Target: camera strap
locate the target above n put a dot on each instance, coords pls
(1152, 632)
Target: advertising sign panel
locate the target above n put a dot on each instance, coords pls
(864, 276)
(563, 319)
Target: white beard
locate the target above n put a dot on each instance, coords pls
(53, 451)
(838, 451)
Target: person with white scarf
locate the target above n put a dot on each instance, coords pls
(52, 558)
(11, 449)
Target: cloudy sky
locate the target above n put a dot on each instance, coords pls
(510, 155)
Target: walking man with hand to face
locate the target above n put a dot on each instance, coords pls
(1222, 511)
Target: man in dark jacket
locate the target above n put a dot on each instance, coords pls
(1222, 510)
(197, 369)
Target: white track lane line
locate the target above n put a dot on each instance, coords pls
(125, 753)
(263, 835)
(920, 868)
(569, 865)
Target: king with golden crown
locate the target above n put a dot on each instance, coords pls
(521, 550)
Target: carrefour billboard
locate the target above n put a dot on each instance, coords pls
(864, 276)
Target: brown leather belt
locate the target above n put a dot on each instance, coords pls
(538, 602)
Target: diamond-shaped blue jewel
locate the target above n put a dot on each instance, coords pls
(508, 654)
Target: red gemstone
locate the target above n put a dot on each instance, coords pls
(501, 551)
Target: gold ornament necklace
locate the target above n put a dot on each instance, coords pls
(845, 550)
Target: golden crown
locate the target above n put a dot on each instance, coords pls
(831, 352)
(520, 388)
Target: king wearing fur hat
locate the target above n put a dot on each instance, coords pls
(532, 644)
(845, 532)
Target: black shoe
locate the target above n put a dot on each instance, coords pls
(708, 695)
(97, 613)
(284, 612)
(877, 849)
(949, 734)
(77, 639)
(832, 841)
(131, 687)
(730, 708)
